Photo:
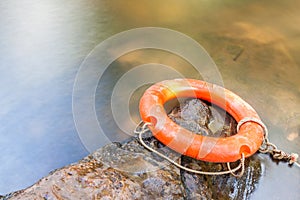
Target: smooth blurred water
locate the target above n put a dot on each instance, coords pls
(42, 44)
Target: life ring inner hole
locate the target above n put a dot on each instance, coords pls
(152, 120)
(218, 119)
(245, 149)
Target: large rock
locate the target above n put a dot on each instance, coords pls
(128, 171)
(116, 171)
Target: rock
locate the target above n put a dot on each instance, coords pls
(220, 187)
(213, 187)
(216, 187)
(193, 114)
(128, 171)
(134, 175)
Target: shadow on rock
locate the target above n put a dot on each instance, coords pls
(219, 187)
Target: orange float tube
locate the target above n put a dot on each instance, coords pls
(212, 149)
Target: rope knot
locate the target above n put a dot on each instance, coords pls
(279, 155)
(293, 158)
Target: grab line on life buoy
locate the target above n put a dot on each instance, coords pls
(246, 142)
(143, 128)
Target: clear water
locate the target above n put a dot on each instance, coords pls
(42, 44)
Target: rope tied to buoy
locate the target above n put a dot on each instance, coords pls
(249, 139)
(143, 129)
(268, 147)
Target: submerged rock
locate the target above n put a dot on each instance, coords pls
(128, 171)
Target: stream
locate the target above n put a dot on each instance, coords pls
(254, 44)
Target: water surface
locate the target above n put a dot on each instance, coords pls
(42, 44)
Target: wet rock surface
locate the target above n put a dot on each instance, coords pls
(213, 187)
(219, 187)
(128, 171)
(134, 174)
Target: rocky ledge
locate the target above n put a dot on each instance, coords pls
(128, 171)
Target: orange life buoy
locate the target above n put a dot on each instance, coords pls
(212, 149)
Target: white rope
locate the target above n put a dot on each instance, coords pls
(229, 171)
(242, 170)
(266, 147)
(251, 119)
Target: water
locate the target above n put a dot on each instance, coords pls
(42, 44)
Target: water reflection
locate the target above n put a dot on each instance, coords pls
(41, 47)
(140, 59)
(255, 45)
